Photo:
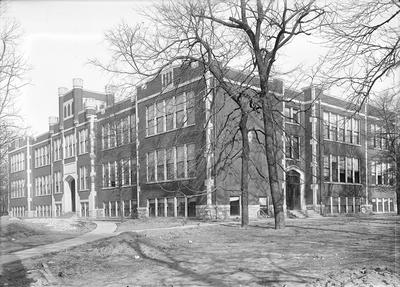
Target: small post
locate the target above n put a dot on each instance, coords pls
(383, 205)
(123, 208)
(331, 203)
(104, 209)
(156, 207)
(354, 204)
(165, 207)
(116, 208)
(389, 204)
(109, 209)
(175, 207)
(130, 208)
(347, 204)
(338, 200)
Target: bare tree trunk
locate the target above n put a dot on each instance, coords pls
(273, 155)
(244, 184)
(398, 182)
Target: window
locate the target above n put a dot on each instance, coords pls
(349, 131)
(151, 166)
(169, 110)
(349, 170)
(335, 170)
(160, 116)
(356, 168)
(327, 176)
(292, 147)
(326, 125)
(166, 78)
(379, 173)
(342, 169)
(180, 162)
(113, 179)
(190, 108)
(191, 160)
(234, 205)
(83, 141)
(180, 111)
(150, 120)
(341, 124)
(291, 115)
(170, 163)
(333, 127)
(356, 131)
(373, 172)
(160, 165)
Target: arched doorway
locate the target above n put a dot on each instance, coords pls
(70, 195)
(293, 200)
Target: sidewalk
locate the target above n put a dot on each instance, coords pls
(103, 229)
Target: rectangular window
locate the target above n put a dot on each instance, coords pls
(191, 160)
(326, 125)
(169, 110)
(356, 131)
(150, 120)
(327, 176)
(126, 172)
(190, 108)
(379, 173)
(160, 116)
(170, 164)
(342, 169)
(150, 166)
(292, 147)
(356, 167)
(349, 170)
(341, 126)
(349, 131)
(180, 162)
(180, 111)
(113, 175)
(333, 127)
(160, 165)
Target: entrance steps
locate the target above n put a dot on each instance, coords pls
(309, 213)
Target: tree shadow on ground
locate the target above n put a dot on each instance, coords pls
(216, 277)
(14, 274)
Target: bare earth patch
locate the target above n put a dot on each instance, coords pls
(342, 251)
(17, 234)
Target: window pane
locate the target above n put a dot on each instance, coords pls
(160, 165)
(170, 163)
(191, 160)
(349, 163)
(326, 168)
(150, 167)
(342, 169)
(180, 162)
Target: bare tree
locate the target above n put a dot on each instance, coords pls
(221, 35)
(387, 107)
(364, 37)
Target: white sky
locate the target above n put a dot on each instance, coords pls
(58, 39)
(60, 36)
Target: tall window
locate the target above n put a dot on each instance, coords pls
(333, 127)
(326, 125)
(180, 110)
(190, 108)
(356, 168)
(160, 165)
(356, 131)
(170, 163)
(191, 160)
(349, 170)
(342, 169)
(160, 116)
(327, 176)
(180, 161)
(169, 110)
(292, 147)
(151, 166)
(341, 124)
(150, 120)
(349, 131)
(166, 78)
(83, 141)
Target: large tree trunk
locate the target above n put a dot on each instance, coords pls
(244, 184)
(273, 155)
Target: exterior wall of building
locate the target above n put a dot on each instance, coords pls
(186, 170)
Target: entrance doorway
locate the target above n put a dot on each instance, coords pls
(73, 196)
(293, 190)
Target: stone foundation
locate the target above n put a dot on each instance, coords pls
(142, 212)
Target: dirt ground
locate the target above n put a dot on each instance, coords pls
(341, 251)
(17, 234)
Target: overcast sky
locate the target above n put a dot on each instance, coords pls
(60, 36)
(58, 39)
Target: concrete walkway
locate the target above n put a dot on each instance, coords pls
(103, 229)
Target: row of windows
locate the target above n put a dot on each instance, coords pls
(17, 162)
(18, 188)
(340, 128)
(42, 156)
(341, 169)
(172, 163)
(114, 208)
(118, 133)
(43, 185)
(382, 173)
(84, 178)
(123, 171)
(169, 114)
(68, 109)
(18, 211)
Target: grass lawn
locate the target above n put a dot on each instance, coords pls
(358, 251)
